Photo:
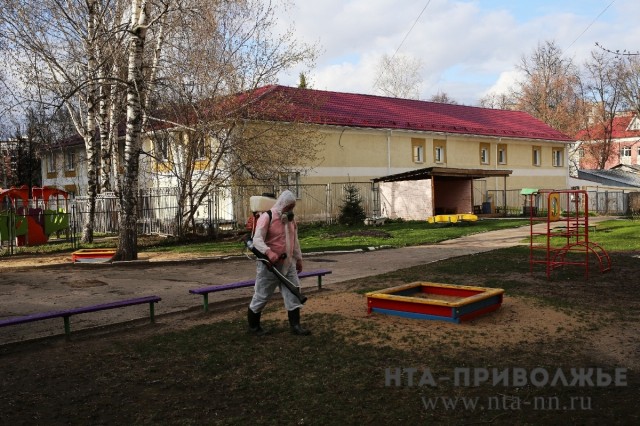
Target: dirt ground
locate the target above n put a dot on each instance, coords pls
(518, 320)
(30, 261)
(51, 282)
(574, 315)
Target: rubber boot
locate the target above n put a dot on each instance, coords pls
(294, 321)
(254, 323)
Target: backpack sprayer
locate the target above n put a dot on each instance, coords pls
(259, 204)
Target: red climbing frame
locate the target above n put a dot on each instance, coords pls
(570, 222)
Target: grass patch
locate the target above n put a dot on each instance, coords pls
(613, 235)
(313, 238)
(393, 234)
(510, 270)
(58, 246)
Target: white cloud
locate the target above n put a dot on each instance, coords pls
(468, 47)
(506, 81)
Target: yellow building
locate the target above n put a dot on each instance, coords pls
(390, 140)
(420, 158)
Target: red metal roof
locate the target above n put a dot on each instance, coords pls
(368, 111)
(282, 103)
(620, 129)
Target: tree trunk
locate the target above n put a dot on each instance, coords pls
(104, 125)
(87, 230)
(127, 238)
(89, 135)
(115, 115)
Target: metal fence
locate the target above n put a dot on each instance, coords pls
(600, 202)
(159, 211)
(106, 212)
(228, 208)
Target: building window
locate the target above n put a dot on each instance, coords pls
(557, 158)
(200, 149)
(536, 160)
(439, 151)
(484, 153)
(70, 160)
(417, 147)
(626, 151)
(72, 189)
(438, 154)
(162, 147)
(51, 163)
(502, 154)
(291, 181)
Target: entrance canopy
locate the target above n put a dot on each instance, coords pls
(434, 190)
(430, 172)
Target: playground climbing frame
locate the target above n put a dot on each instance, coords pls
(565, 216)
(31, 221)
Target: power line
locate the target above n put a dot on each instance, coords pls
(404, 39)
(589, 26)
(411, 29)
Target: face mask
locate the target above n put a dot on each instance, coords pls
(287, 216)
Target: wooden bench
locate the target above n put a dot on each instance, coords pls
(204, 291)
(66, 314)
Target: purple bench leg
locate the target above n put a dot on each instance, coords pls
(67, 322)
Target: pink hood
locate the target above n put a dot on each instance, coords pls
(280, 235)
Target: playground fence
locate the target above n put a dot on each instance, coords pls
(602, 203)
(159, 210)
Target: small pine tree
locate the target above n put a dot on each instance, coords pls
(351, 212)
(303, 81)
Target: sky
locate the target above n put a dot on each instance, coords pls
(468, 48)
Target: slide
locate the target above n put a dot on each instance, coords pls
(35, 234)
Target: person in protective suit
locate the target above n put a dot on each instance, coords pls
(277, 238)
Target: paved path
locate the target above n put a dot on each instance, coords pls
(56, 287)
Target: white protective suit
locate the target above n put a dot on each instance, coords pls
(275, 237)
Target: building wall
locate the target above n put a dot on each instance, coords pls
(411, 200)
(625, 151)
(359, 155)
(363, 154)
(63, 175)
(452, 196)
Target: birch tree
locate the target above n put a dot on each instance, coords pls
(399, 76)
(144, 16)
(214, 55)
(443, 98)
(551, 91)
(497, 100)
(108, 61)
(631, 82)
(630, 70)
(58, 48)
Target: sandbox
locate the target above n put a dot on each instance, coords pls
(434, 301)
(98, 255)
